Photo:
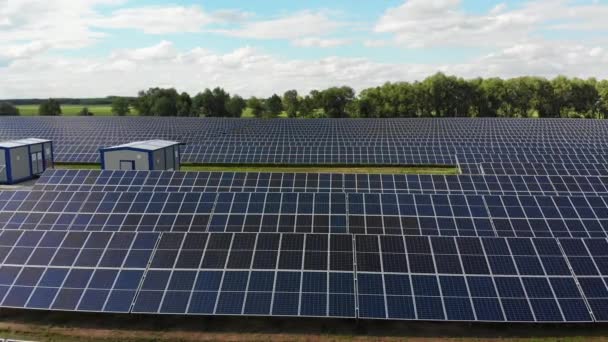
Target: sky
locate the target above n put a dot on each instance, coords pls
(91, 48)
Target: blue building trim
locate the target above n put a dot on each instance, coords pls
(43, 158)
(52, 156)
(103, 158)
(151, 160)
(29, 158)
(9, 170)
(166, 159)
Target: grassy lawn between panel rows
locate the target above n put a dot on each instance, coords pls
(422, 170)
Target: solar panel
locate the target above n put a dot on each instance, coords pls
(98, 271)
(327, 141)
(168, 181)
(317, 275)
(355, 213)
(519, 236)
(250, 274)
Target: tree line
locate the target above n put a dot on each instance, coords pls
(439, 95)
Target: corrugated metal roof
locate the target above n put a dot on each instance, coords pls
(22, 142)
(148, 145)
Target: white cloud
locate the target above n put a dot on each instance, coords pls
(29, 29)
(232, 15)
(57, 23)
(547, 59)
(248, 71)
(320, 42)
(374, 43)
(161, 51)
(157, 19)
(430, 23)
(23, 51)
(423, 23)
(298, 25)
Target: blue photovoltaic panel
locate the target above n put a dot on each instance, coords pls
(442, 141)
(355, 213)
(169, 181)
(518, 236)
(317, 275)
(73, 271)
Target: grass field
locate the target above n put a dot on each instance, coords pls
(248, 114)
(71, 110)
(100, 110)
(422, 170)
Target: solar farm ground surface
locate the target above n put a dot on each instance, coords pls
(519, 235)
(438, 170)
(42, 326)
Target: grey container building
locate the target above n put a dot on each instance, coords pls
(142, 155)
(24, 159)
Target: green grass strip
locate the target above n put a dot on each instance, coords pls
(359, 169)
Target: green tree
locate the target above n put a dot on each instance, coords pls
(563, 92)
(519, 92)
(211, 103)
(85, 112)
(274, 105)
(163, 106)
(334, 101)
(7, 109)
(157, 102)
(491, 98)
(120, 106)
(307, 107)
(388, 100)
(602, 103)
(291, 102)
(143, 103)
(184, 105)
(575, 97)
(447, 96)
(543, 100)
(235, 106)
(257, 107)
(586, 96)
(49, 107)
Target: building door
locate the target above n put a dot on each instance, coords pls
(37, 163)
(127, 165)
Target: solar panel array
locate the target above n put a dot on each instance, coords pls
(520, 236)
(320, 275)
(539, 147)
(168, 181)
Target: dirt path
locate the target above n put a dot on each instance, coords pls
(53, 326)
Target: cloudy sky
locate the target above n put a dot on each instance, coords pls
(86, 48)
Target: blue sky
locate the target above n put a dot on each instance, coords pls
(102, 47)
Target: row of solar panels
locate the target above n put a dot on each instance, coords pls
(377, 277)
(445, 142)
(532, 169)
(487, 126)
(400, 214)
(74, 152)
(170, 181)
